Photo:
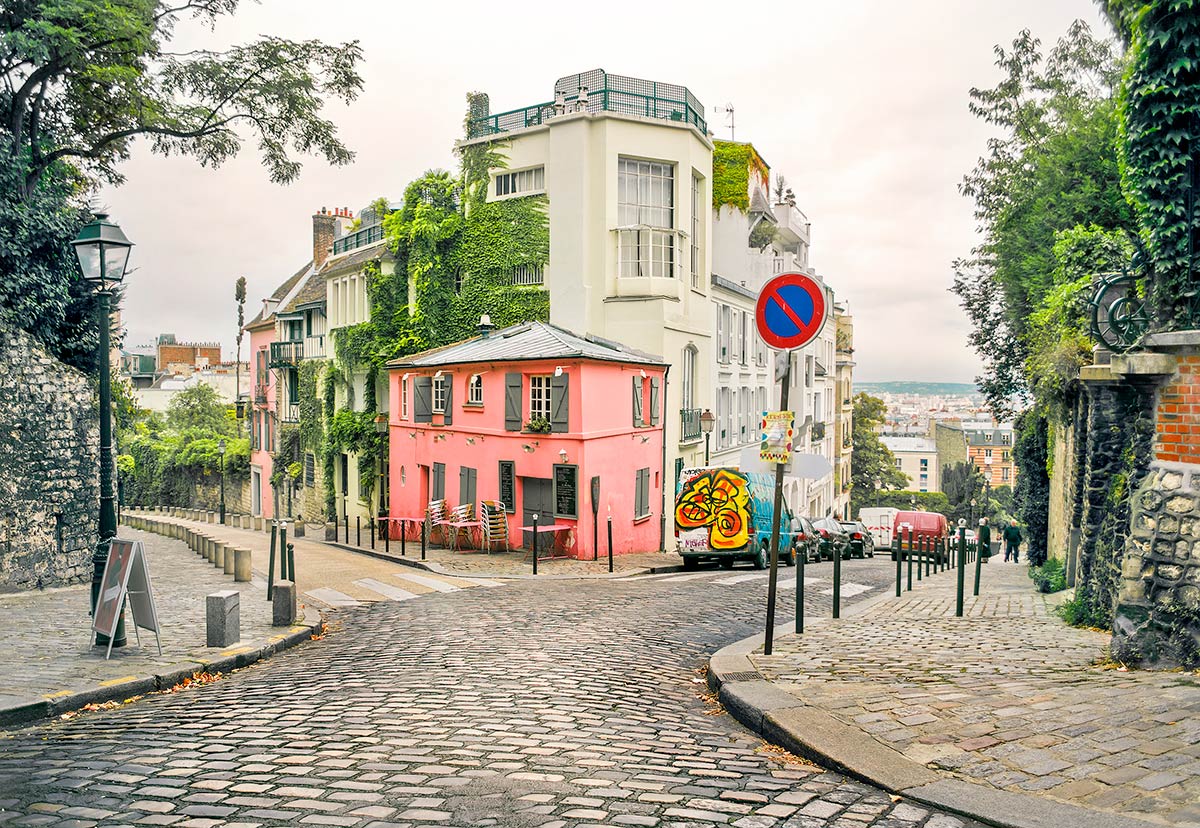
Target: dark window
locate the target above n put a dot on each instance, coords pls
(310, 464)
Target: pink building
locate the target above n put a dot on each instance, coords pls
(538, 418)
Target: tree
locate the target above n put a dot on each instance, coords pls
(871, 460)
(1053, 168)
(962, 483)
(199, 406)
(85, 77)
(239, 296)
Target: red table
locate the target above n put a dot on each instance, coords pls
(404, 522)
(556, 528)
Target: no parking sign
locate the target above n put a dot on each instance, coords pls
(791, 311)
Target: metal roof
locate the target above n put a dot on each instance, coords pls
(280, 293)
(524, 342)
(896, 442)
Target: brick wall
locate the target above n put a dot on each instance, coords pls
(1178, 425)
(188, 353)
(49, 467)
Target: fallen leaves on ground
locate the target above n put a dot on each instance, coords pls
(197, 679)
(783, 757)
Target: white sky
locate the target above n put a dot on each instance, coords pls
(862, 106)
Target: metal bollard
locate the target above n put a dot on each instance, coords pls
(921, 544)
(372, 527)
(271, 564)
(422, 540)
(535, 534)
(899, 562)
(291, 559)
(285, 573)
(358, 530)
(346, 524)
(978, 567)
(801, 561)
(610, 550)
(961, 563)
(837, 583)
(911, 544)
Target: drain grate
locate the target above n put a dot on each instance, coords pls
(745, 675)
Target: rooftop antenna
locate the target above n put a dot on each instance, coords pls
(728, 110)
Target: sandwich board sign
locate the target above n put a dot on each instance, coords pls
(126, 575)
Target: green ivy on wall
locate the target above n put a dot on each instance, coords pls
(731, 175)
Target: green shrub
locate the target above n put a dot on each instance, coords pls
(1078, 612)
(1050, 576)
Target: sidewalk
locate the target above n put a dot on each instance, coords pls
(50, 665)
(1007, 698)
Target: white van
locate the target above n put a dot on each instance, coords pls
(879, 520)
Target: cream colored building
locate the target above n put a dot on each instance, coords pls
(626, 166)
(844, 400)
(917, 458)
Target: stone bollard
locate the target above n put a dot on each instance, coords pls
(223, 614)
(298, 529)
(283, 604)
(218, 558)
(210, 550)
(212, 517)
(258, 523)
(241, 565)
(225, 554)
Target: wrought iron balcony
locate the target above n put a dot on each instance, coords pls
(286, 354)
(289, 412)
(689, 425)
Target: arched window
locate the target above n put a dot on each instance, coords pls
(475, 390)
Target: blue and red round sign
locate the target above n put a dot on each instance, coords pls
(790, 311)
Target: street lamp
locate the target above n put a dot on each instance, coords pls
(103, 253)
(707, 421)
(221, 451)
(971, 513)
(878, 486)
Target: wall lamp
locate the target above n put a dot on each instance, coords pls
(558, 370)
(562, 453)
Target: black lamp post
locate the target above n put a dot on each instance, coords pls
(971, 513)
(103, 253)
(221, 451)
(707, 421)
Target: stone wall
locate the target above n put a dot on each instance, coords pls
(1158, 608)
(1062, 492)
(49, 467)
(206, 494)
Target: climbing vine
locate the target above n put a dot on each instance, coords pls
(732, 165)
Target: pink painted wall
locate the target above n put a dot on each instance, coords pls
(260, 340)
(602, 441)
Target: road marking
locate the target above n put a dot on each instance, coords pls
(432, 583)
(483, 582)
(386, 590)
(332, 597)
(689, 577)
(737, 579)
(790, 583)
(849, 589)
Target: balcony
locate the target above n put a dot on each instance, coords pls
(260, 394)
(286, 354)
(530, 275)
(818, 431)
(289, 412)
(689, 425)
(597, 91)
(792, 225)
(314, 347)
(361, 238)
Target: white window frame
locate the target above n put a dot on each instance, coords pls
(647, 253)
(404, 398)
(438, 403)
(645, 193)
(697, 247)
(475, 390)
(724, 319)
(539, 396)
(688, 386)
(517, 183)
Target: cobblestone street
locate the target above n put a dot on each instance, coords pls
(539, 704)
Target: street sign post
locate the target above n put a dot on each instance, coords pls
(790, 313)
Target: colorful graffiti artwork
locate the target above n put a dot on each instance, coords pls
(716, 500)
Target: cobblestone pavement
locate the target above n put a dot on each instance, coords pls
(47, 650)
(552, 703)
(1007, 695)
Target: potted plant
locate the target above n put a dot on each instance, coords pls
(538, 425)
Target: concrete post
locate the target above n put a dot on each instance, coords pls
(283, 604)
(223, 616)
(241, 565)
(225, 553)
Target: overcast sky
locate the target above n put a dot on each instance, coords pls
(862, 106)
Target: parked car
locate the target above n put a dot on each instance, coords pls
(806, 540)
(834, 539)
(925, 533)
(724, 515)
(862, 543)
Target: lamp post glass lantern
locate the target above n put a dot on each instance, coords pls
(707, 421)
(103, 253)
(221, 451)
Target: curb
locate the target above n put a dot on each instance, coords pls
(784, 720)
(31, 710)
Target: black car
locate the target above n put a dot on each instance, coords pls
(861, 542)
(834, 539)
(806, 540)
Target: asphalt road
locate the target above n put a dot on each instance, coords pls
(552, 703)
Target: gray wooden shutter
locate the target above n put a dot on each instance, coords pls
(464, 485)
(472, 481)
(637, 402)
(423, 400)
(559, 403)
(641, 495)
(654, 400)
(512, 404)
(439, 481)
(448, 414)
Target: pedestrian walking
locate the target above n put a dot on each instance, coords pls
(985, 540)
(1012, 542)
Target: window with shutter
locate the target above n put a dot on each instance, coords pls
(512, 403)
(654, 401)
(560, 403)
(467, 478)
(641, 498)
(439, 481)
(638, 419)
(448, 414)
(423, 400)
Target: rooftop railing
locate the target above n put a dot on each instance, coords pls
(357, 239)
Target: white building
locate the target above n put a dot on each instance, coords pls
(917, 458)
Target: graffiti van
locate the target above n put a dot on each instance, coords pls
(723, 514)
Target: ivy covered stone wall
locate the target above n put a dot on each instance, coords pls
(49, 467)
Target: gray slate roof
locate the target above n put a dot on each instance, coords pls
(281, 292)
(524, 342)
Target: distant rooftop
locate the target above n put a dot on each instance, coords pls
(527, 341)
(898, 443)
(596, 91)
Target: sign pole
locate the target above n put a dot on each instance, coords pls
(779, 470)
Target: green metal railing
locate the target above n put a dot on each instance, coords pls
(605, 93)
(360, 238)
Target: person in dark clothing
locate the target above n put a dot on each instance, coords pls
(985, 539)
(1012, 542)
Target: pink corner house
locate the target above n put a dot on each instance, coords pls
(538, 418)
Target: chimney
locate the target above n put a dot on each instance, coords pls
(485, 326)
(324, 223)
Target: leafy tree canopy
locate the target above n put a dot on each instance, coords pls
(871, 461)
(199, 406)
